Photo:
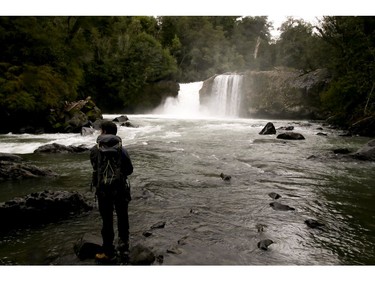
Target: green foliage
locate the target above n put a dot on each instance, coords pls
(299, 47)
(122, 61)
(353, 66)
(31, 88)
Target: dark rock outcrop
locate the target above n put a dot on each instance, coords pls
(42, 207)
(10, 157)
(367, 152)
(70, 117)
(60, 148)
(278, 93)
(269, 129)
(12, 167)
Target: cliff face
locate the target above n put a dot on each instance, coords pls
(279, 93)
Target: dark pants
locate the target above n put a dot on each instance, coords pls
(108, 201)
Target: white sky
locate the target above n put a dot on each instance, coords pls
(276, 10)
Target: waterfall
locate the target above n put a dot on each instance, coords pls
(224, 99)
(226, 95)
(257, 48)
(186, 104)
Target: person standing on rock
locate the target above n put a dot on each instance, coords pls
(111, 166)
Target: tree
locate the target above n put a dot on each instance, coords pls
(350, 96)
(299, 46)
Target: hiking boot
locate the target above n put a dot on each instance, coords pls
(104, 258)
(123, 246)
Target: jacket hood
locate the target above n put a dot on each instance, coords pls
(108, 140)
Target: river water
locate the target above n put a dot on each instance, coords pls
(176, 180)
(178, 153)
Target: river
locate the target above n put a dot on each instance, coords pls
(177, 166)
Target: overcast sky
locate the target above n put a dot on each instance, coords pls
(276, 10)
(188, 7)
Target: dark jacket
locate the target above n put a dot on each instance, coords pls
(126, 164)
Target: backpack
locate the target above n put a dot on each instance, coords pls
(109, 163)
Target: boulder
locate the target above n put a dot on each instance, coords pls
(122, 118)
(60, 148)
(269, 129)
(313, 223)
(281, 207)
(42, 207)
(141, 255)
(88, 246)
(10, 157)
(367, 152)
(70, 117)
(10, 170)
(290, 136)
(263, 244)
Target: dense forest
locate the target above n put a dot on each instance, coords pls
(47, 60)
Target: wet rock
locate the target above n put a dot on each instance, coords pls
(341, 151)
(141, 255)
(70, 117)
(288, 128)
(14, 170)
(147, 233)
(260, 227)
(160, 224)
(291, 136)
(313, 223)
(42, 207)
(128, 124)
(10, 157)
(85, 131)
(281, 207)
(60, 148)
(122, 118)
(321, 134)
(274, 195)
(225, 177)
(160, 259)
(264, 244)
(269, 129)
(174, 250)
(367, 152)
(87, 246)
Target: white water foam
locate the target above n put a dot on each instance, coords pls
(224, 101)
(186, 105)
